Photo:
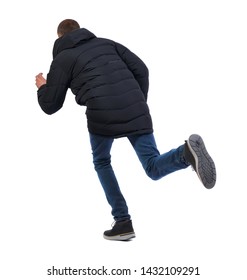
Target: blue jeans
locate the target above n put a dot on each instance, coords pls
(155, 165)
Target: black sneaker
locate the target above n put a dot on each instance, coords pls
(196, 154)
(121, 231)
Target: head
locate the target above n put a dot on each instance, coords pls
(67, 26)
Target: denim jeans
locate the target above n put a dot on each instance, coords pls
(155, 165)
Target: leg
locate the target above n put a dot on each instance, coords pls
(101, 147)
(193, 152)
(156, 165)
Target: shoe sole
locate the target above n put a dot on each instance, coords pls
(205, 167)
(121, 237)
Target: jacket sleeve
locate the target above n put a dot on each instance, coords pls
(51, 96)
(136, 66)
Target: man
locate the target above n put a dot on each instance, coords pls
(112, 82)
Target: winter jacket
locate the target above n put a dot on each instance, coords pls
(104, 76)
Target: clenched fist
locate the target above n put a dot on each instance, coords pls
(40, 80)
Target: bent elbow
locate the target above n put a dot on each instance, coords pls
(50, 109)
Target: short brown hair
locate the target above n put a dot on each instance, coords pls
(67, 26)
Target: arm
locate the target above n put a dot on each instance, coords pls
(52, 92)
(136, 66)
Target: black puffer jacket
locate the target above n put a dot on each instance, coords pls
(104, 76)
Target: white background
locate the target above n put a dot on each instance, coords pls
(52, 208)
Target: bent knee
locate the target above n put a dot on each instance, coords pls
(153, 175)
(102, 164)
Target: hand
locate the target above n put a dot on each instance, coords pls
(40, 80)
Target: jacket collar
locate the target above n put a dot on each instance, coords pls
(72, 40)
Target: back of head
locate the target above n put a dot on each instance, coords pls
(67, 26)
